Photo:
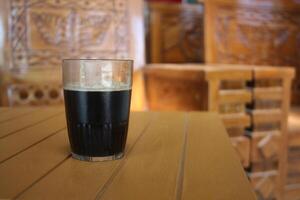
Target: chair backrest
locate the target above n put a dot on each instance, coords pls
(252, 101)
(264, 101)
(228, 94)
(269, 113)
(255, 33)
(30, 94)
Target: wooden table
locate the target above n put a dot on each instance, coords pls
(172, 155)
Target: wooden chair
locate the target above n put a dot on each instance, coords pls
(200, 87)
(252, 101)
(269, 149)
(255, 33)
(204, 87)
(34, 94)
(266, 101)
(36, 88)
(229, 95)
(293, 180)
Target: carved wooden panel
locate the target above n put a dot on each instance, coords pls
(41, 33)
(175, 33)
(34, 94)
(254, 32)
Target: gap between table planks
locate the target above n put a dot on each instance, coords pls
(157, 175)
(38, 115)
(25, 138)
(7, 114)
(38, 163)
(201, 158)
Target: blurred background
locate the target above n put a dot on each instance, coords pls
(240, 58)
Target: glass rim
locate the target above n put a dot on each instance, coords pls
(97, 59)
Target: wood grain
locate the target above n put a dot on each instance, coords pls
(228, 72)
(234, 96)
(264, 166)
(266, 116)
(19, 172)
(4, 109)
(14, 113)
(264, 184)
(75, 179)
(292, 192)
(213, 95)
(203, 179)
(234, 120)
(294, 140)
(283, 154)
(152, 168)
(273, 93)
(274, 73)
(175, 33)
(172, 155)
(155, 21)
(293, 171)
(235, 38)
(265, 146)
(16, 143)
(242, 146)
(37, 116)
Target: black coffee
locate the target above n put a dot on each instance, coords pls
(97, 121)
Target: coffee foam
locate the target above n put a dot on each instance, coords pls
(98, 88)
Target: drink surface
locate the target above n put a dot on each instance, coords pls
(97, 121)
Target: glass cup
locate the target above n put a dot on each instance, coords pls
(97, 96)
